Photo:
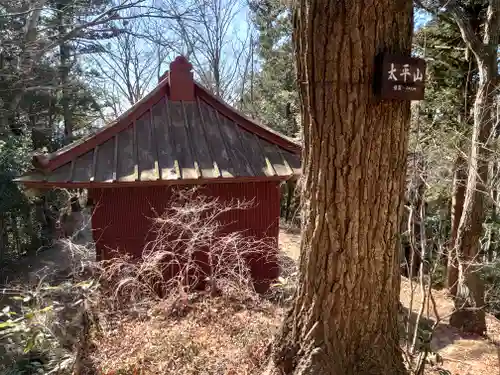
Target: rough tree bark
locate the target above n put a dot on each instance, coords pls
(469, 314)
(344, 318)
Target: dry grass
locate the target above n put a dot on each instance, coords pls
(229, 336)
(216, 336)
(222, 330)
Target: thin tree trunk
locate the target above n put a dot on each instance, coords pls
(492, 239)
(344, 318)
(457, 205)
(289, 193)
(491, 246)
(469, 314)
(3, 243)
(416, 195)
(64, 68)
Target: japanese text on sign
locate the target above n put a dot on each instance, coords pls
(407, 73)
(400, 77)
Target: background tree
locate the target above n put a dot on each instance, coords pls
(272, 96)
(353, 163)
(214, 38)
(47, 96)
(471, 289)
(131, 63)
(444, 120)
(480, 31)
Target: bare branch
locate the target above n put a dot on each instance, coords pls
(470, 38)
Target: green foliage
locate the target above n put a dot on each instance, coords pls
(273, 96)
(451, 75)
(17, 229)
(490, 274)
(35, 99)
(14, 159)
(441, 126)
(40, 327)
(25, 330)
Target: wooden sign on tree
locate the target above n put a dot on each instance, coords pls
(399, 77)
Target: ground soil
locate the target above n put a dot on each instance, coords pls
(461, 354)
(242, 331)
(63, 257)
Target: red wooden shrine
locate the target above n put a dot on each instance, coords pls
(178, 135)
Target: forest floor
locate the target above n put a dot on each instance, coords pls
(60, 258)
(461, 354)
(221, 336)
(229, 335)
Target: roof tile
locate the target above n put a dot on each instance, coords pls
(199, 140)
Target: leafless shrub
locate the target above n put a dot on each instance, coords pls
(421, 318)
(191, 249)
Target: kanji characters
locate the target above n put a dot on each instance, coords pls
(392, 73)
(418, 76)
(406, 72)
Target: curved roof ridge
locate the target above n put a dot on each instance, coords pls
(79, 147)
(294, 145)
(44, 160)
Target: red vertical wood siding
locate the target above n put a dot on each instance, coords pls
(121, 218)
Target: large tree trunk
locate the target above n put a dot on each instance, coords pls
(344, 318)
(457, 205)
